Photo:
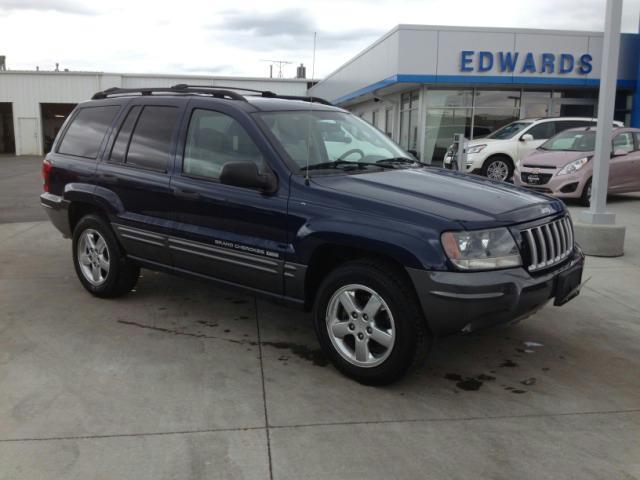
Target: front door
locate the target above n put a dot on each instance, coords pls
(235, 235)
(624, 153)
(29, 144)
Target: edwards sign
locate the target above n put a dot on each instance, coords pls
(529, 62)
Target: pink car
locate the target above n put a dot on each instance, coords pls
(563, 167)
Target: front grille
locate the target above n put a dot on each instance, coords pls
(535, 178)
(549, 244)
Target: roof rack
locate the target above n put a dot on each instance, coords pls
(214, 92)
(263, 93)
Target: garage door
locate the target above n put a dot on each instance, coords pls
(29, 144)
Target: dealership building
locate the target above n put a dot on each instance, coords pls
(34, 104)
(423, 84)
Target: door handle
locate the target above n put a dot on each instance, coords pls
(186, 194)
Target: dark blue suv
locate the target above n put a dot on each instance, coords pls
(306, 204)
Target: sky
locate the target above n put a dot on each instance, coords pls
(236, 37)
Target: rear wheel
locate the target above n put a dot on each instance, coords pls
(498, 167)
(100, 263)
(585, 198)
(369, 322)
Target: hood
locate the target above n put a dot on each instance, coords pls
(557, 159)
(473, 201)
(484, 141)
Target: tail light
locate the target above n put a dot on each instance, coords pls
(47, 166)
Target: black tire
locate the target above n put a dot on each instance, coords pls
(585, 196)
(494, 161)
(412, 339)
(122, 274)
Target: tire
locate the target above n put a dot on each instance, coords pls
(99, 261)
(398, 324)
(498, 167)
(585, 197)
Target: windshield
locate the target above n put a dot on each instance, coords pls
(572, 140)
(508, 131)
(331, 139)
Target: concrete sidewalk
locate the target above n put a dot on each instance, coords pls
(182, 380)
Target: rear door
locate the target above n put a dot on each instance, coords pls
(233, 234)
(634, 168)
(135, 171)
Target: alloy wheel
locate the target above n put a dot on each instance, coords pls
(498, 170)
(360, 325)
(93, 257)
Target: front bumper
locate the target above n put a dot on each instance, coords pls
(57, 209)
(563, 186)
(468, 301)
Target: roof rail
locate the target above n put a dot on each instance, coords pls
(263, 93)
(214, 92)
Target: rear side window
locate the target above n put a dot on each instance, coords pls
(542, 131)
(87, 130)
(566, 125)
(150, 144)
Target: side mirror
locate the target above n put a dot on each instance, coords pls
(245, 174)
(619, 153)
(414, 153)
(527, 137)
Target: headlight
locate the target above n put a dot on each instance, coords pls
(481, 249)
(574, 166)
(476, 148)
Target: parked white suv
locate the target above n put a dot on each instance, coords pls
(496, 155)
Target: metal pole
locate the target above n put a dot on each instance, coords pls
(597, 213)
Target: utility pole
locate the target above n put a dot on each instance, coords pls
(596, 230)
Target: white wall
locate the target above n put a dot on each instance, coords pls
(26, 90)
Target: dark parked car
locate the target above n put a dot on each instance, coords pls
(301, 202)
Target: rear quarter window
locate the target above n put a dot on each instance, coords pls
(87, 130)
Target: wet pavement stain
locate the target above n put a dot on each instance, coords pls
(315, 356)
(529, 381)
(508, 364)
(514, 390)
(208, 324)
(469, 384)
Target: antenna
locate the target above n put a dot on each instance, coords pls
(280, 63)
(313, 72)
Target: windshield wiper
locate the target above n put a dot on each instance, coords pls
(338, 163)
(399, 160)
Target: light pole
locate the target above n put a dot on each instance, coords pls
(596, 230)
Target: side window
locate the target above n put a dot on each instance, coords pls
(119, 149)
(87, 130)
(213, 139)
(624, 142)
(566, 125)
(150, 144)
(542, 131)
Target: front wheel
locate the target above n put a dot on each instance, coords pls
(585, 198)
(369, 322)
(498, 168)
(100, 263)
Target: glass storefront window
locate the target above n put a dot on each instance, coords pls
(409, 120)
(449, 98)
(535, 103)
(509, 99)
(488, 120)
(442, 124)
